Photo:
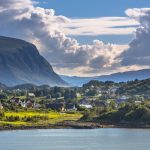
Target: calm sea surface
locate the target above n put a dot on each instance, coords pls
(70, 139)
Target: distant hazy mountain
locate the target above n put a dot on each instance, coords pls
(3, 86)
(29, 86)
(20, 63)
(117, 77)
(76, 81)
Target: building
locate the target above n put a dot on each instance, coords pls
(36, 105)
(88, 106)
(137, 102)
(56, 106)
(1, 106)
(71, 107)
(29, 104)
(98, 103)
(84, 101)
(23, 104)
(31, 95)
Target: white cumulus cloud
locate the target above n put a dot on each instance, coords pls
(23, 19)
(139, 49)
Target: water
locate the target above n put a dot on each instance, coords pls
(70, 139)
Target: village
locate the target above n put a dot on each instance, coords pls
(67, 99)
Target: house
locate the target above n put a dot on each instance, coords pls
(139, 97)
(15, 101)
(112, 95)
(99, 90)
(87, 90)
(48, 97)
(122, 99)
(108, 101)
(31, 95)
(92, 87)
(137, 102)
(98, 103)
(1, 106)
(56, 106)
(36, 105)
(71, 107)
(88, 106)
(113, 89)
(29, 104)
(84, 101)
(60, 98)
(78, 94)
(23, 104)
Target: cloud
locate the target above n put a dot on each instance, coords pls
(139, 49)
(100, 26)
(23, 19)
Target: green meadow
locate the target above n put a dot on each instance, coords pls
(30, 118)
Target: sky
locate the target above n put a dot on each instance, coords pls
(83, 37)
(94, 9)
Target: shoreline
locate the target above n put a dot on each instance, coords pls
(76, 125)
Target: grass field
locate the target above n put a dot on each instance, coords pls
(42, 118)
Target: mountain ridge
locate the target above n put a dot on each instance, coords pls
(116, 77)
(20, 63)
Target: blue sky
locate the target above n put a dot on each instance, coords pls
(93, 9)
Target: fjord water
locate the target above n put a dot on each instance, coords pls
(70, 139)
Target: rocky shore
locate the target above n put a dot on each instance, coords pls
(75, 125)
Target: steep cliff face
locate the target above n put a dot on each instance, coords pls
(20, 62)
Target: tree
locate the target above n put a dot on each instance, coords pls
(91, 92)
(58, 94)
(3, 96)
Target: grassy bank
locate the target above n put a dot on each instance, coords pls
(33, 118)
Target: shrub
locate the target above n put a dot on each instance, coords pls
(13, 118)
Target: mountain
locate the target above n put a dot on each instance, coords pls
(29, 87)
(76, 81)
(136, 87)
(21, 63)
(3, 86)
(117, 77)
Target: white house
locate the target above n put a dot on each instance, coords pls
(78, 95)
(23, 104)
(31, 95)
(88, 106)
